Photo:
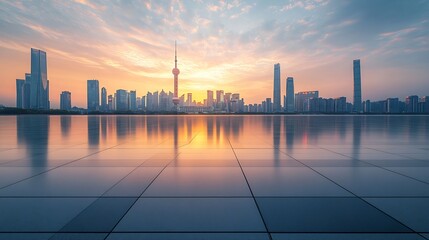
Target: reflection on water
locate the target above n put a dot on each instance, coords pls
(39, 133)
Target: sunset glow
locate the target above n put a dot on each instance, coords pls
(222, 45)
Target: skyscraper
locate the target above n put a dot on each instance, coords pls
(176, 73)
(93, 95)
(189, 100)
(357, 92)
(121, 100)
(133, 100)
(276, 94)
(27, 91)
(209, 98)
(65, 100)
(103, 99)
(290, 95)
(20, 93)
(39, 98)
(411, 104)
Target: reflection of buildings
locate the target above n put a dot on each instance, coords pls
(65, 124)
(33, 132)
(93, 130)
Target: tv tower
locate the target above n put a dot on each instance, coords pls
(175, 72)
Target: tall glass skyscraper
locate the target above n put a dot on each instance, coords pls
(357, 91)
(93, 95)
(20, 93)
(290, 95)
(39, 98)
(276, 95)
(103, 99)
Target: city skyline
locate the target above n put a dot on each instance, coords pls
(312, 40)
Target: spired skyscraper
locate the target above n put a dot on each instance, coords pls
(357, 91)
(290, 95)
(39, 90)
(276, 94)
(93, 95)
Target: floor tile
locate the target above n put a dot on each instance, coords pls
(192, 215)
(374, 182)
(101, 216)
(73, 181)
(420, 173)
(412, 212)
(290, 181)
(346, 236)
(199, 182)
(331, 215)
(188, 236)
(39, 214)
(135, 183)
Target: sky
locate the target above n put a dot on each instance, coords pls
(222, 45)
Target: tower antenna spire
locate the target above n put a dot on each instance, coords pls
(175, 54)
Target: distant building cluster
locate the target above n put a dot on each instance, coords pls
(32, 92)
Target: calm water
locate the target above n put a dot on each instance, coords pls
(214, 177)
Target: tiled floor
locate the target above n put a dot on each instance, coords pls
(214, 177)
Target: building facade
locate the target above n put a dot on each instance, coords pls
(39, 90)
(357, 90)
(277, 89)
(65, 100)
(290, 96)
(93, 95)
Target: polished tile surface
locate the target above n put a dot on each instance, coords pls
(214, 177)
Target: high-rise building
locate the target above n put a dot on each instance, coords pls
(269, 105)
(133, 101)
(277, 89)
(103, 99)
(27, 91)
(65, 100)
(290, 95)
(39, 98)
(189, 100)
(219, 96)
(93, 95)
(392, 105)
(110, 105)
(340, 105)
(425, 101)
(302, 100)
(411, 103)
(357, 91)
(163, 101)
(20, 83)
(122, 100)
(209, 98)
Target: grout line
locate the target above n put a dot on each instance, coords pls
(153, 180)
(251, 192)
(388, 215)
